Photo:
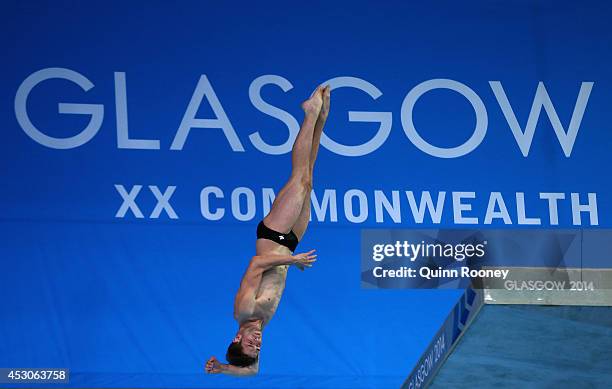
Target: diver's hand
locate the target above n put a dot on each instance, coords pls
(304, 260)
(213, 366)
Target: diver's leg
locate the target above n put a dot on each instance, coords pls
(290, 200)
(304, 218)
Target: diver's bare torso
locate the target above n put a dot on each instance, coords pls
(271, 288)
(272, 281)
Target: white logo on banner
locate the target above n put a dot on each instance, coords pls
(221, 121)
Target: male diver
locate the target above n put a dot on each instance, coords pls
(278, 234)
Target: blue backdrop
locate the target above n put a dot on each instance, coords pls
(143, 142)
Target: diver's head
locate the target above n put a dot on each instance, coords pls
(244, 349)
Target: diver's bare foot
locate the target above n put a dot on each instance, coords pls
(313, 105)
(326, 92)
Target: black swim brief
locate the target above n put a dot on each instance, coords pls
(289, 240)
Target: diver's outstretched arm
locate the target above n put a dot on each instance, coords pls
(268, 261)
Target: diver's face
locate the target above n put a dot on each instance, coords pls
(251, 342)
